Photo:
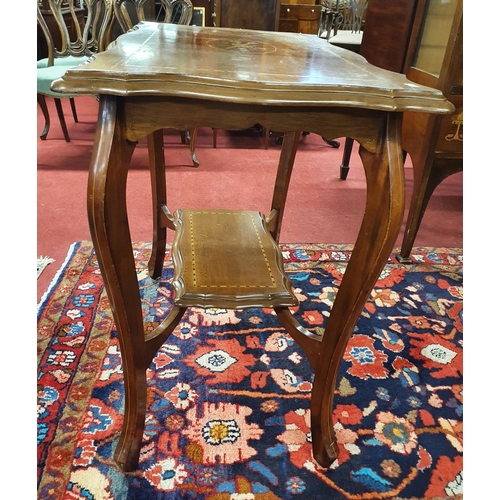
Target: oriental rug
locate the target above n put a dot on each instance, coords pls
(228, 399)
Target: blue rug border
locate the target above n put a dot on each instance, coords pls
(73, 248)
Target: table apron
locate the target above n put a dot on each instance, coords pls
(144, 115)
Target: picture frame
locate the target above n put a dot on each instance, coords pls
(198, 16)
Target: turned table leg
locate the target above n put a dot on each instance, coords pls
(376, 238)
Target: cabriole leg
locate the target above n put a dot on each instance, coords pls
(376, 238)
(45, 111)
(159, 196)
(109, 228)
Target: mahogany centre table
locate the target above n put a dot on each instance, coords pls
(167, 76)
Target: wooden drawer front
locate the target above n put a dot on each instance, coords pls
(289, 11)
(450, 136)
(300, 18)
(309, 12)
(306, 12)
(308, 27)
(290, 25)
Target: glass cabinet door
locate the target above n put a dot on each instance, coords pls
(434, 36)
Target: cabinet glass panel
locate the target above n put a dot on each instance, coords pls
(434, 36)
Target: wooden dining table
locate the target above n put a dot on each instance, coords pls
(160, 76)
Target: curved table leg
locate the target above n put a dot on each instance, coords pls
(109, 228)
(376, 238)
(45, 111)
(159, 196)
(283, 176)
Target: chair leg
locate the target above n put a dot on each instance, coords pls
(346, 158)
(61, 119)
(192, 138)
(43, 106)
(333, 143)
(423, 187)
(214, 137)
(73, 109)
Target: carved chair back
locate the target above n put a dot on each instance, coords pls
(354, 15)
(79, 42)
(130, 12)
(345, 15)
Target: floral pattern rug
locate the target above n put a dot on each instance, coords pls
(228, 399)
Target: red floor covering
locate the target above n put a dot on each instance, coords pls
(239, 173)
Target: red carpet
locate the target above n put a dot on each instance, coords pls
(238, 174)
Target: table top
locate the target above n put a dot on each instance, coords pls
(244, 66)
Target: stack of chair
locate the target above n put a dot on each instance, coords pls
(129, 12)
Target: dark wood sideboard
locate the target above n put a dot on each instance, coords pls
(248, 14)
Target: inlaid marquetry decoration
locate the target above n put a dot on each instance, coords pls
(229, 222)
(235, 264)
(242, 45)
(458, 121)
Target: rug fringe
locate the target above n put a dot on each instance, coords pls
(56, 278)
(42, 263)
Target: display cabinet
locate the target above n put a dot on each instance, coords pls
(435, 145)
(385, 43)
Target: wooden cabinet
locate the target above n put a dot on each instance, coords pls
(249, 14)
(300, 18)
(385, 42)
(423, 39)
(386, 33)
(208, 6)
(435, 144)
